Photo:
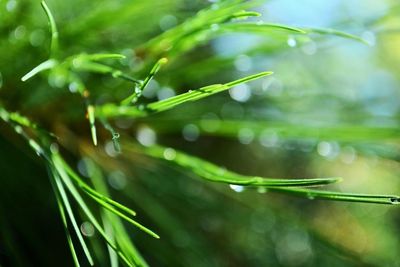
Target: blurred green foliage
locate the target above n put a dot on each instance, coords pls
(331, 109)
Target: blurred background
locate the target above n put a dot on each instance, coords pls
(270, 127)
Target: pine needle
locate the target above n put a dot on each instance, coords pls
(111, 110)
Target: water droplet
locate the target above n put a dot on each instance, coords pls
(369, 37)
(122, 109)
(151, 89)
(37, 37)
(291, 42)
(116, 73)
(4, 115)
(82, 169)
(210, 122)
(258, 180)
(293, 247)
(306, 145)
(214, 6)
(243, 63)
(272, 86)
(117, 180)
(262, 190)
(115, 140)
(124, 123)
(348, 155)
(54, 148)
(245, 136)
(11, 5)
(309, 48)
(76, 62)
(191, 132)
(18, 129)
(221, 170)
(146, 136)
(268, 138)
(395, 200)
(169, 153)
(201, 37)
(328, 149)
(115, 136)
(165, 93)
(324, 148)
(73, 87)
(237, 188)
(167, 22)
(240, 93)
(129, 56)
(57, 80)
(87, 229)
(110, 149)
(214, 27)
(36, 147)
(138, 89)
(19, 32)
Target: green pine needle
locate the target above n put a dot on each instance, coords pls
(53, 29)
(211, 172)
(91, 116)
(65, 224)
(231, 128)
(65, 201)
(139, 89)
(111, 110)
(259, 27)
(338, 196)
(46, 65)
(337, 33)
